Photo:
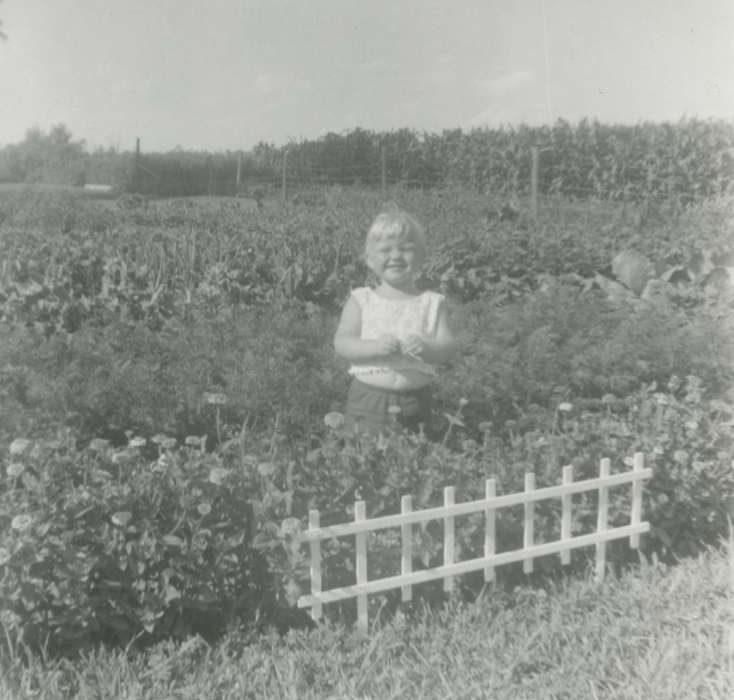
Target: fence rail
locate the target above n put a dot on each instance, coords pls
(488, 506)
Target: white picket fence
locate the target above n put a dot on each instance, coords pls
(488, 505)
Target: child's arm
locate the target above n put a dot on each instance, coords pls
(438, 350)
(350, 346)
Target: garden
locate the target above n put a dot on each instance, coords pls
(171, 411)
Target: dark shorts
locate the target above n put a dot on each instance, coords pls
(368, 407)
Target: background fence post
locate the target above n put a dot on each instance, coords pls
(566, 513)
(534, 182)
(284, 175)
(383, 170)
(209, 176)
(601, 519)
(448, 537)
(238, 177)
(360, 515)
(315, 547)
(528, 529)
(489, 529)
(136, 167)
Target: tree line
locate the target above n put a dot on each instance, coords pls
(687, 160)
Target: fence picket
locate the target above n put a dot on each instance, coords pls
(360, 514)
(566, 513)
(528, 529)
(448, 537)
(315, 547)
(406, 537)
(638, 465)
(489, 529)
(601, 522)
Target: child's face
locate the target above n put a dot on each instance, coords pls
(395, 259)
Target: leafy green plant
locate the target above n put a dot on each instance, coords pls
(104, 545)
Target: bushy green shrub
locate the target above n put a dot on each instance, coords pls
(562, 341)
(103, 545)
(124, 376)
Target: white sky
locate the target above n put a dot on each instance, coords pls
(225, 74)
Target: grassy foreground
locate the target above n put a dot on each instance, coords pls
(657, 632)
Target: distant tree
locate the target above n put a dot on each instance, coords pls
(53, 157)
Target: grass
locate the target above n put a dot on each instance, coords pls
(654, 632)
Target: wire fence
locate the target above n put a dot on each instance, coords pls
(541, 171)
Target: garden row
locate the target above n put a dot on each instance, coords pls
(67, 261)
(163, 417)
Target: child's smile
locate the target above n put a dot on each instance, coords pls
(396, 261)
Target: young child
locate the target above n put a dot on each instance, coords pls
(393, 335)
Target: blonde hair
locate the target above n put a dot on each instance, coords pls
(399, 224)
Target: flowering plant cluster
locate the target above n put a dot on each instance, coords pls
(104, 545)
(112, 544)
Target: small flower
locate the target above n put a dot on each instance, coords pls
(157, 438)
(463, 402)
(680, 456)
(121, 457)
(168, 443)
(485, 426)
(290, 527)
(19, 446)
(657, 450)
(218, 475)
(193, 441)
(608, 398)
(15, 469)
(164, 461)
(691, 424)
(453, 420)
(204, 508)
(629, 462)
(469, 445)
(4, 556)
(266, 469)
(292, 592)
(121, 517)
(99, 445)
(565, 407)
(21, 522)
(334, 420)
(510, 424)
(216, 399)
(394, 410)
(662, 399)
(138, 442)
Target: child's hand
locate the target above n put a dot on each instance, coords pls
(387, 345)
(414, 345)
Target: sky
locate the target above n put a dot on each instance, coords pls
(226, 74)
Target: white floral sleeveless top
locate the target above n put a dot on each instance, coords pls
(416, 315)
